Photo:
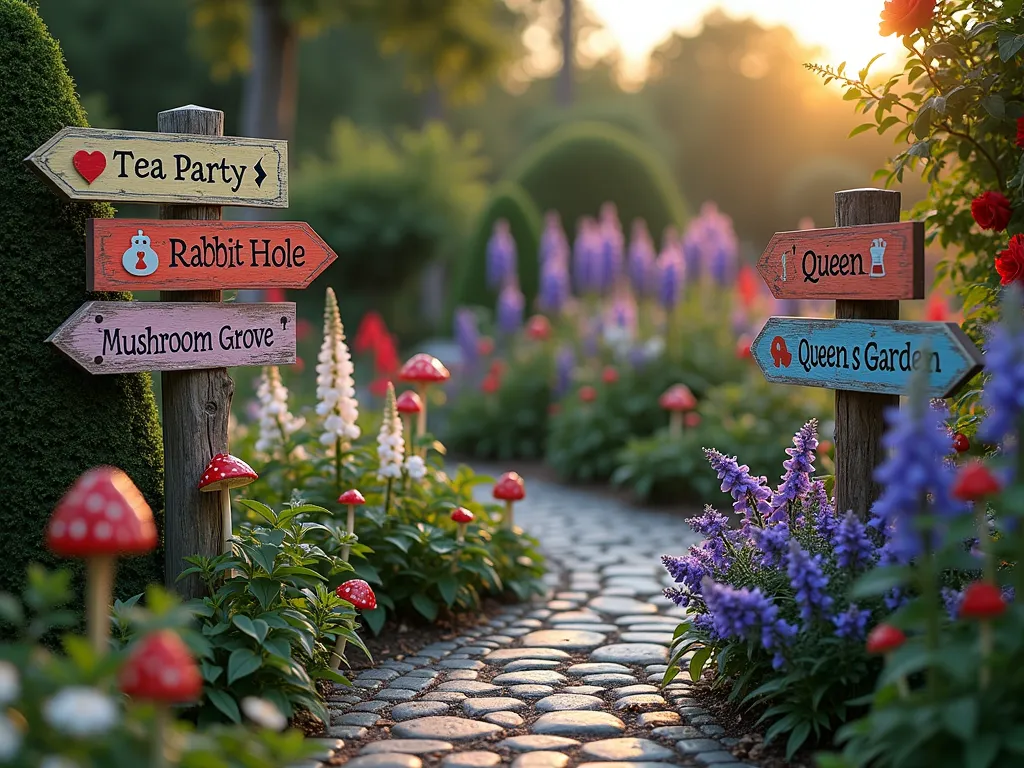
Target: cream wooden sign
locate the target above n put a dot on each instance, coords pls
(136, 167)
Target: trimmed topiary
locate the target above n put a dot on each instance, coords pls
(56, 420)
(508, 201)
(578, 167)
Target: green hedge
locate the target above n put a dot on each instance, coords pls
(507, 201)
(56, 421)
(578, 167)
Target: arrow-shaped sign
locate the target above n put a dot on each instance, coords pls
(874, 261)
(865, 355)
(165, 255)
(128, 336)
(136, 167)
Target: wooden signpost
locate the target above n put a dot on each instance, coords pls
(874, 261)
(867, 264)
(144, 254)
(865, 355)
(136, 167)
(130, 337)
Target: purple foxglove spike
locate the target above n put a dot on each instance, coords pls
(510, 309)
(501, 255)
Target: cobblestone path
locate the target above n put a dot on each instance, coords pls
(565, 681)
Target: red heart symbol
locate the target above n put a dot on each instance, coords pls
(89, 164)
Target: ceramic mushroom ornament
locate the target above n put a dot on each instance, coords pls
(360, 594)
(423, 370)
(223, 473)
(161, 670)
(677, 400)
(102, 515)
(409, 403)
(353, 499)
(510, 488)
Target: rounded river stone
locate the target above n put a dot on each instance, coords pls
(475, 759)
(631, 653)
(569, 639)
(386, 760)
(627, 749)
(562, 702)
(621, 606)
(541, 760)
(406, 746)
(446, 728)
(534, 742)
(529, 677)
(578, 723)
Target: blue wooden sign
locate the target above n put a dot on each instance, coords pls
(865, 355)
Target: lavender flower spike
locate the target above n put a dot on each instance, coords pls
(808, 581)
(796, 482)
(852, 623)
(853, 547)
(501, 255)
(750, 495)
(1003, 397)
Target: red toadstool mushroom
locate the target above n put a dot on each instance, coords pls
(161, 669)
(510, 488)
(463, 517)
(360, 594)
(101, 516)
(883, 640)
(353, 499)
(223, 473)
(677, 400)
(423, 370)
(983, 601)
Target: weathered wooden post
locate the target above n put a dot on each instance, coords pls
(860, 419)
(196, 405)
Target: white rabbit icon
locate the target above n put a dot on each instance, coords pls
(140, 259)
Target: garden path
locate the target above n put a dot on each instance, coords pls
(567, 680)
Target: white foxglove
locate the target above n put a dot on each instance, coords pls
(390, 443)
(335, 387)
(81, 711)
(276, 422)
(416, 467)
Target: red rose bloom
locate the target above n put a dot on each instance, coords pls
(904, 17)
(992, 211)
(1020, 132)
(1010, 263)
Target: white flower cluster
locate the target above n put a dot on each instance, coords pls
(390, 443)
(81, 711)
(276, 422)
(335, 387)
(416, 467)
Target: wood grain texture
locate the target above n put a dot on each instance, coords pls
(202, 255)
(860, 416)
(838, 263)
(130, 337)
(877, 356)
(196, 407)
(164, 167)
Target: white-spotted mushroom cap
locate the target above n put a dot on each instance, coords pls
(103, 513)
(424, 368)
(161, 668)
(510, 487)
(226, 472)
(359, 593)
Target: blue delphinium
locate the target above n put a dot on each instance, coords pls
(853, 548)
(467, 336)
(750, 494)
(773, 543)
(510, 309)
(640, 260)
(951, 599)
(743, 613)
(1003, 397)
(825, 519)
(553, 242)
(586, 258)
(565, 363)
(690, 569)
(670, 278)
(501, 255)
(915, 477)
(808, 581)
(852, 623)
(796, 482)
(554, 285)
(612, 245)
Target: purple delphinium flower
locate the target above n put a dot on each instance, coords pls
(510, 309)
(678, 596)
(586, 258)
(951, 599)
(565, 362)
(1003, 397)
(712, 524)
(750, 495)
(914, 474)
(1009, 593)
(825, 519)
(553, 242)
(670, 278)
(773, 543)
(689, 569)
(852, 623)
(591, 337)
(693, 253)
(641, 259)
(852, 546)
(467, 336)
(796, 482)
(895, 599)
(612, 246)
(808, 581)
(501, 255)
(745, 614)
(554, 285)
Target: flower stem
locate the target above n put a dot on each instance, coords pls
(985, 641)
(337, 467)
(387, 497)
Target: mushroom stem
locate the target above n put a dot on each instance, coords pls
(225, 512)
(349, 529)
(160, 736)
(460, 537)
(99, 578)
(509, 520)
(407, 427)
(421, 417)
(675, 424)
(338, 654)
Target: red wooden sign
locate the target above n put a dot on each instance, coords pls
(151, 254)
(129, 336)
(874, 261)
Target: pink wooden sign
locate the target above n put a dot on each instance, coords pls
(873, 261)
(128, 336)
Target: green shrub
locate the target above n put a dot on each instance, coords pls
(56, 420)
(508, 201)
(578, 167)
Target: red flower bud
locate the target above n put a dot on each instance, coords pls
(974, 482)
(960, 443)
(982, 601)
(588, 394)
(885, 638)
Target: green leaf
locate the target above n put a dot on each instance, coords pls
(225, 703)
(242, 662)
(1009, 44)
(698, 661)
(262, 510)
(982, 751)
(426, 606)
(879, 581)
(265, 590)
(448, 586)
(375, 619)
(861, 129)
(796, 738)
(244, 623)
(994, 105)
(961, 718)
